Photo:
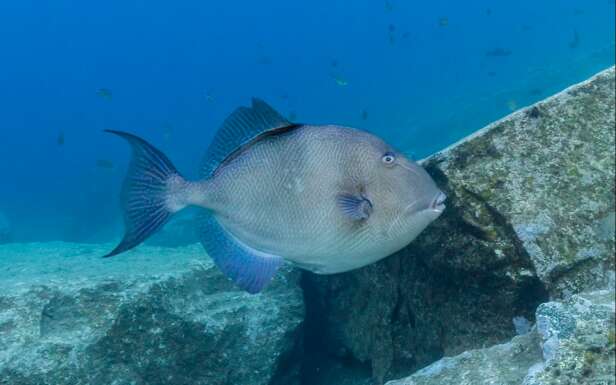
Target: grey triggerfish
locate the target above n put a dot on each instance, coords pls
(325, 198)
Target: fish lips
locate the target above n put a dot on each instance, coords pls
(438, 203)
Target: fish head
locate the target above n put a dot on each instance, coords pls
(404, 196)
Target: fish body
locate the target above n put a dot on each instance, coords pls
(280, 196)
(327, 198)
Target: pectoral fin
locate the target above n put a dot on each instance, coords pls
(356, 208)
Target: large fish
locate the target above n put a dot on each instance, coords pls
(324, 198)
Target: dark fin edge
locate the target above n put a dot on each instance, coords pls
(144, 192)
(244, 126)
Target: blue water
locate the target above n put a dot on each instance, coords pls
(416, 73)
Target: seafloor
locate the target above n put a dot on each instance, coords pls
(514, 284)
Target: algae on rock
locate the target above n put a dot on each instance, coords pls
(548, 173)
(152, 316)
(577, 340)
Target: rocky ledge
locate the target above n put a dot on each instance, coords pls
(573, 343)
(152, 316)
(529, 218)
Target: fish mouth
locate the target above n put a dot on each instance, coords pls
(438, 203)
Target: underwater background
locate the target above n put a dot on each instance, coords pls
(513, 284)
(421, 75)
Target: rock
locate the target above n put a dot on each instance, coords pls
(399, 315)
(542, 179)
(504, 364)
(151, 316)
(573, 344)
(530, 215)
(5, 229)
(577, 341)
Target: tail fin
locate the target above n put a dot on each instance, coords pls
(145, 192)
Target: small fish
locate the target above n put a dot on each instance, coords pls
(326, 198)
(389, 6)
(104, 93)
(364, 114)
(575, 41)
(391, 28)
(60, 139)
(535, 91)
(526, 27)
(489, 11)
(512, 105)
(334, 63)
(292, 115)
(209, 97)
(406, 35)
(392, 38)
(340, 80)
(498, 52)
(104, 163)
(443, 22)
(578, 12)
(491, 73)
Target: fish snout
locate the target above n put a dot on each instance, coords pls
(438, 203)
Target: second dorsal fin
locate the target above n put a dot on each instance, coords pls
(242, 126)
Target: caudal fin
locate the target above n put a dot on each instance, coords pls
(146, 192)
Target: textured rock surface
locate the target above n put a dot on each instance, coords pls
(504, 364)
(577, 340)
(530, 215)
(573, 344)
(544, 178)
(152, 316)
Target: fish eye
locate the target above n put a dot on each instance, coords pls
(388, 158)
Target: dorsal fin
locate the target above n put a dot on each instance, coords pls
(242, 126)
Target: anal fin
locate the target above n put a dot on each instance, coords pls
(250, 269)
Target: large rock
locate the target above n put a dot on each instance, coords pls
(573, 344)
(151, 316)
(530, 215)
(503, 364)
(542, 179)
(577, 341)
